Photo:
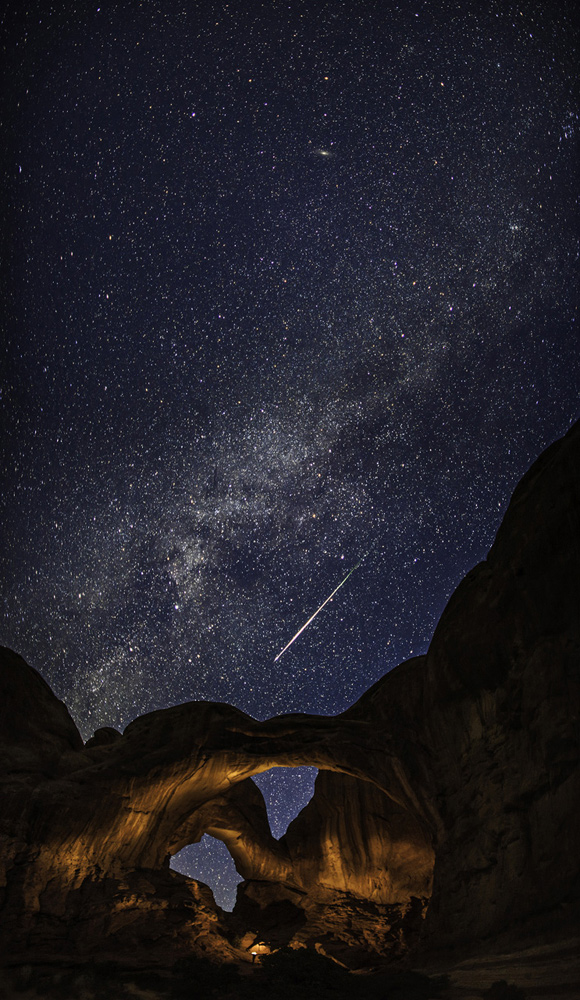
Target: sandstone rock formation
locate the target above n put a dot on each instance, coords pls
(356, 879)
(454, 778)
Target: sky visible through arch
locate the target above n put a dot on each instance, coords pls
(286, 790)
(287, 284)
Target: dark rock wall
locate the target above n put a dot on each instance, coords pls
(503, 680)
(487, 723)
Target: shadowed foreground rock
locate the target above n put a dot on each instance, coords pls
(455, 779)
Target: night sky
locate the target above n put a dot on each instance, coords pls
(287, 286)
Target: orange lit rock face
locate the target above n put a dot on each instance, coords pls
(356, 879)
(458, 769)
(353, 838)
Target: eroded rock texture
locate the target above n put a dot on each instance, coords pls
(454, 778)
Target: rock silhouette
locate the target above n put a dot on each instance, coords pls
(445, 815)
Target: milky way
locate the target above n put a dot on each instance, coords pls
(287, 284)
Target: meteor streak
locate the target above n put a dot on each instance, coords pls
(318, 610)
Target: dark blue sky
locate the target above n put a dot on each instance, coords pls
(285, 285)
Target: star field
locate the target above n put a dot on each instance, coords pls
(287, 285)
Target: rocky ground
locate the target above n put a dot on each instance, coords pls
(544, 972)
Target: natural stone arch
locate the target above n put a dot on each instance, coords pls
(187, 757)
(102, 820)
(352, 858)
(350, 837)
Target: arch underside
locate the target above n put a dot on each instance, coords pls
(350, 837)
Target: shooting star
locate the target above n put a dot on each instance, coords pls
(318, 610)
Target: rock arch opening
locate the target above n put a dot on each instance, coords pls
(349, 850)
(210, 861)
(285, 791)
